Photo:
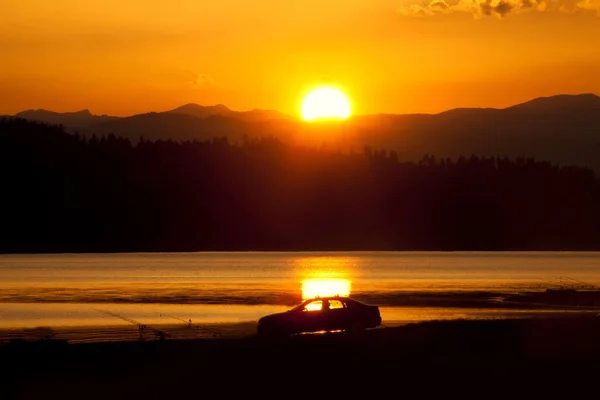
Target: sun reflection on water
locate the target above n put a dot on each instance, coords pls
(325, 267)
(325, 276)
(312, 288)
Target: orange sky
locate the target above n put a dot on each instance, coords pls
(399, 56)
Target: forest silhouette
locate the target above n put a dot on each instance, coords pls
(67, 193)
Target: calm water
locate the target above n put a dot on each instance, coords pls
(73, 289)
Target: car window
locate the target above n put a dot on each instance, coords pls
(313, 306)
(335, 304)
(349, 304)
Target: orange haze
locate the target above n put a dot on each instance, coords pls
(398, 56)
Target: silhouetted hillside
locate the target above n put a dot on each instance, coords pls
(175, 126)
(583, 103)
(221, 110)
(188, 122)
(71, 120)
(202, 111)
(66, 193)
(182, 127)
(564, 129)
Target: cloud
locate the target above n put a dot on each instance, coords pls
(590, 5)
(436, 6)
(497, 8)
(502, 7)
(203, 80)
(180, 77)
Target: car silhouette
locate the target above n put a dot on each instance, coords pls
(321, 314)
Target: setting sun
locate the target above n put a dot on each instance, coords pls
(327, 103)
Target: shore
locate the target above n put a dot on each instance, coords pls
(147, 329)
(126, 333)
(220, 365)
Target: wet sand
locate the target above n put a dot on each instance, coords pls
(427, 358)
(130, 331)
(127, 333)
(397, 308)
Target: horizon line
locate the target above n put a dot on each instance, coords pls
(217, 105)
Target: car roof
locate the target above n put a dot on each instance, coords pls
(344, 298)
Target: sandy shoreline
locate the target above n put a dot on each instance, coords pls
(419, 353)
(147, 329)
(127, 333)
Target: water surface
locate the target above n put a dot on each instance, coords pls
(74, 289)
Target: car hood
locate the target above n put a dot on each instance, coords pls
(271, 317)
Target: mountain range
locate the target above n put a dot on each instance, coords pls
(563, 129)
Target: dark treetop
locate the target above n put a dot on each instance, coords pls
(65, 193)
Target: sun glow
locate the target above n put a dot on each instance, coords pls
(312, 288)
(325, 103)
(325, 276)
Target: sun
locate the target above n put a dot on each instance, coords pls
(325, 103)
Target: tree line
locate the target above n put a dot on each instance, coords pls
(67, 193)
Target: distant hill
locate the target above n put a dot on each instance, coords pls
(68, 194)
(583, 103)
(563, 129)
(188, 122)
(71, 120)
(221, 110)
(176, 126)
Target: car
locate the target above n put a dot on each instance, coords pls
(321, 314)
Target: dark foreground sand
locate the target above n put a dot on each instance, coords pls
(429, 359)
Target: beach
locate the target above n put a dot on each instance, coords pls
(199, 367)
(171, 326)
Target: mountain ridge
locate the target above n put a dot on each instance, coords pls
(563, 129)
(221, 109)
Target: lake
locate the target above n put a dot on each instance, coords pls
(225, 287)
